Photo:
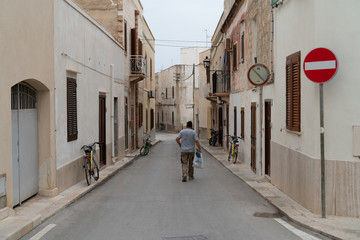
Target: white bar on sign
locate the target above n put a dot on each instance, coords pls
(320, 65)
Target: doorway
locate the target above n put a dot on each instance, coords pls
(126, 124)
(102, 129)
(220, 126)
(116, 128)
(25, 161)
(253, 137)
(267, 137)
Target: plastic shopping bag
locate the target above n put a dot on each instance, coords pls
(198, 161)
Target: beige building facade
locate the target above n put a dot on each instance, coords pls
(124, 20)
(55, 91)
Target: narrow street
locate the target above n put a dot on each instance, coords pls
(147, 200)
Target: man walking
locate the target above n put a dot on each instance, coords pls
(186, 140)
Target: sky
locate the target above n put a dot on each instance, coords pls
(180, 21)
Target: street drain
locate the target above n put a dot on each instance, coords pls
(201, 237)
(267, 215)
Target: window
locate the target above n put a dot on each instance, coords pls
(166, 96)
(242, 115)
(162, 116)
(151, 68)
(235, 122)
(235, 57)
(72, 131)
(173, 92)
(125, 36)
(293, 92)
(242, 41)
(147, 120)
(172, 118)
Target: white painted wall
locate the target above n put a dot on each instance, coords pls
(303, 26)
(83, 46)
(190, 55)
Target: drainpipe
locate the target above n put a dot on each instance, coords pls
(112, 112)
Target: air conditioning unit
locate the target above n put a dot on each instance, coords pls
(228, 46)
(151, 94)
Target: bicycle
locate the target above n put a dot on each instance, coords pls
(214, 137)
(234, 148)
(90, 166)
(144, 150)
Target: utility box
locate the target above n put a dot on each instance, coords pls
(356, 141)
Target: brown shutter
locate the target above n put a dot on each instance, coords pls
(235, 57)
(242, 123)
(125, 36)
(72, 132)
(293, 100)
(133, 41)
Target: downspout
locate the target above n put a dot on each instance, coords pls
(112, 112)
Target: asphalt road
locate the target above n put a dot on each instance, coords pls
(147, 200)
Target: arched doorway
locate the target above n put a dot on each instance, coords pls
(25, 163)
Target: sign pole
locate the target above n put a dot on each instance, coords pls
(322, 145)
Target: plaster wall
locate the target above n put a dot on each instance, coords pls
(94, 58)
(32, 62)
(303, 26)
(190, 55)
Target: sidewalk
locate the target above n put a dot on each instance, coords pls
(33, 212)
(332, 227)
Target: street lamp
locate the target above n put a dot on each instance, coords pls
(206, 63)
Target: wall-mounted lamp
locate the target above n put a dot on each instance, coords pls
(206, 62)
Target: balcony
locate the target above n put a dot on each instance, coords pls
(220, 86)
(137, 68)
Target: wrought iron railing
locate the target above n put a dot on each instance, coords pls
(137, 64)
(220, 81)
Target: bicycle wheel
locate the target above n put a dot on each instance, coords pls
(95, 171)
(210, 141)
(87, 172)
(230, 150)
(144, 150)
(235, 155)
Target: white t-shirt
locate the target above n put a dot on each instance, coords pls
(187, 138)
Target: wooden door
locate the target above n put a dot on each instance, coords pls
(253, 137)
(220, 126)
(102, 129)
(267, 136)
(227, 126)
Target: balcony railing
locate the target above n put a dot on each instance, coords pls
(137, 64)
(220, 81)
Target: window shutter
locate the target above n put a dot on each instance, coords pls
(242, 122)
(125, 36)
(235, 121)
(72, 132)
(293, 100)
(133, 41)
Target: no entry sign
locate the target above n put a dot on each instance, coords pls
(320, 65)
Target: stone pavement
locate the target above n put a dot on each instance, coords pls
(16, 223)
(331, 226)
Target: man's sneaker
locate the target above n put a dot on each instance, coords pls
(191, 178)
(184, 179)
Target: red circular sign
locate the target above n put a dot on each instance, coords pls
(320, 65)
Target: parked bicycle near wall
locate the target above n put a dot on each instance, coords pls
(144, 150)
(234, 148)
(214, 137)
(91, 167)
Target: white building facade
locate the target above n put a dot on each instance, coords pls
(301, 26)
